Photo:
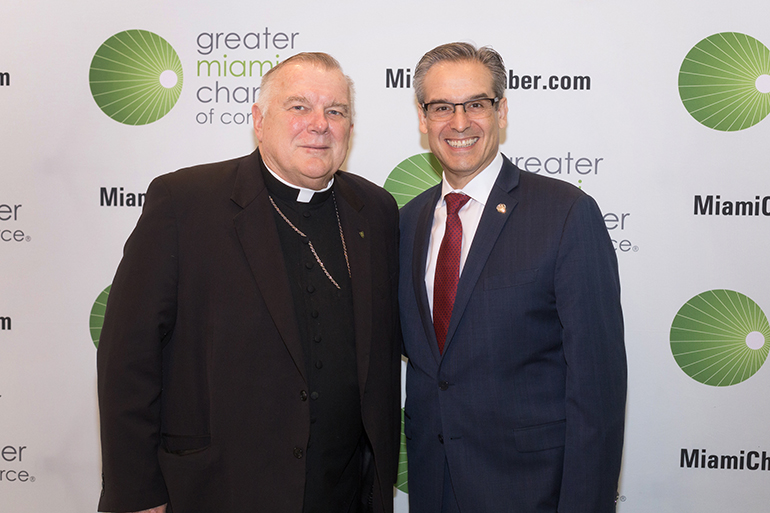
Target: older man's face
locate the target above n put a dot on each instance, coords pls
(305, 133)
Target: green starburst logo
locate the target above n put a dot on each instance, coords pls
(96, 321)
(413, 176)
(719, 338)
(136, 77)
(724, 81)
(402, 482)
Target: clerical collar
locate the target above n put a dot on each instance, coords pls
(303, 195)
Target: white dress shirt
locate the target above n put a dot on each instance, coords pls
(478, 189)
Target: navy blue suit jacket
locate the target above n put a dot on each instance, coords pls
(527, 403)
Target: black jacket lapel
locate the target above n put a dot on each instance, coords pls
(259, 238)
(355, 228)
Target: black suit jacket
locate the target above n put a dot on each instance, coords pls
(202, 386)
(526, 403)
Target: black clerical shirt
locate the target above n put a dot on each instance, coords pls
(325, 321)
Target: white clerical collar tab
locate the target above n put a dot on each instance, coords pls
(304, 195)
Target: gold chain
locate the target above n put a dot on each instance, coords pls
(312, 249)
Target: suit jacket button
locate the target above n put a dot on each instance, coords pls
(441, 438)
(297, 453)
(303, 395)
(443, 385)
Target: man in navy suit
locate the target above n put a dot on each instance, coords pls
(516, 380)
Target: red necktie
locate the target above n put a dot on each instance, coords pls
(448, 267)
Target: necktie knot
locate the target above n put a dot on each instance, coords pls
(455, 201)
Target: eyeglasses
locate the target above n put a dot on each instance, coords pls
(474, 109)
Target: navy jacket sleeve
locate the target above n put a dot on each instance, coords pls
(588, 303)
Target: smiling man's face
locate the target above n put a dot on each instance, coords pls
(305, 132)
(463, 146)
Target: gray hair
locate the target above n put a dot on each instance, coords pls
(320, 59)
(460, 52)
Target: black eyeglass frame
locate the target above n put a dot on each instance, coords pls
(494, 101)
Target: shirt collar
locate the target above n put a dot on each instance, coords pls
(480, 185)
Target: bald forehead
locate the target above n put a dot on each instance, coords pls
(296, 68)
(288, 75)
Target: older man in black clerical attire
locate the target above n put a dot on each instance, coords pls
(250, 354)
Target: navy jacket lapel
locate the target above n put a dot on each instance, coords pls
(489, 229)
(419, 260)
(259, 238)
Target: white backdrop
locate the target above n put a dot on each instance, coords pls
(59, 247)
